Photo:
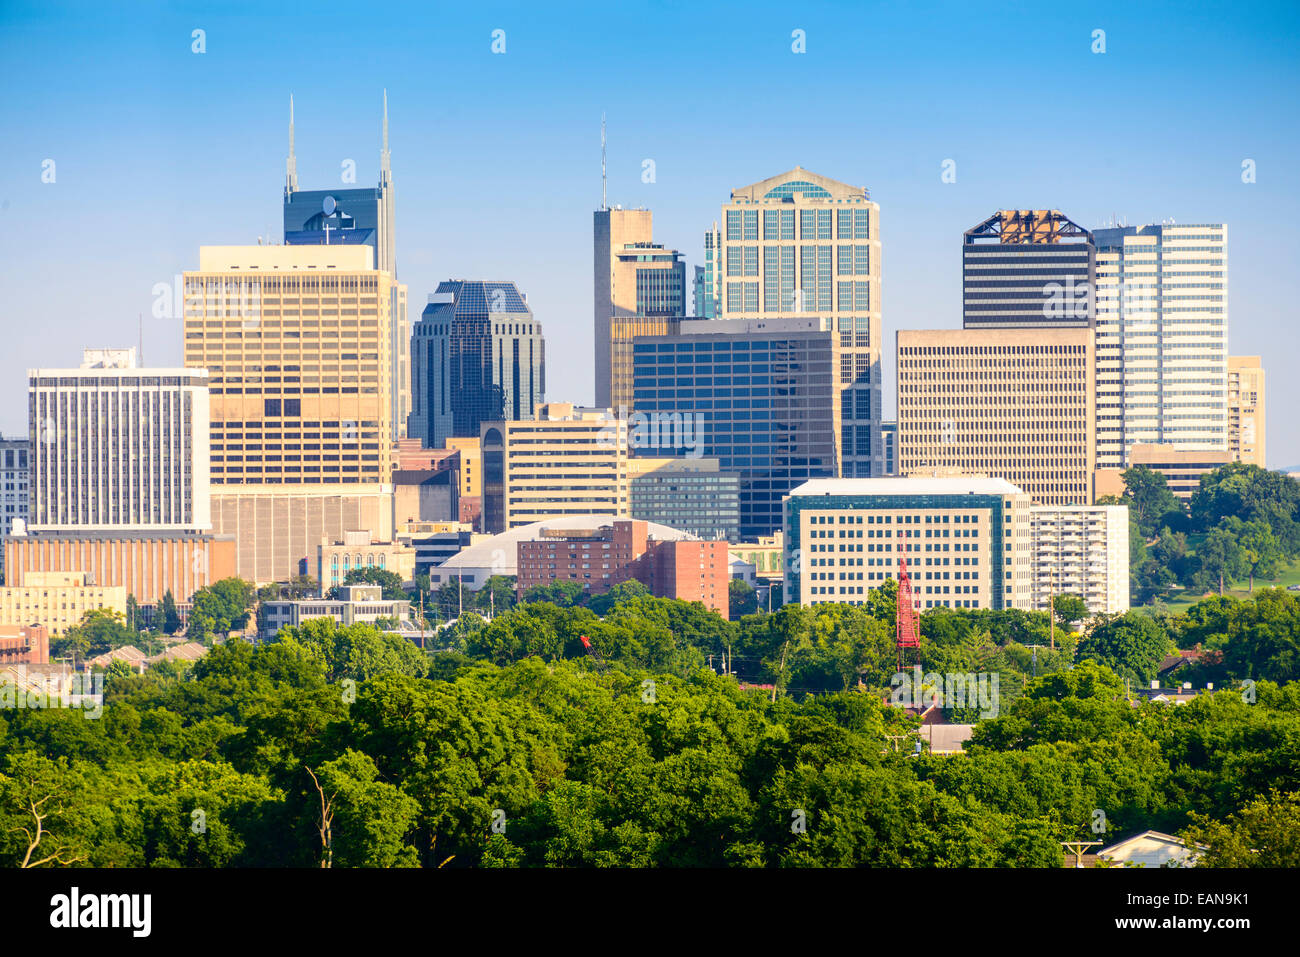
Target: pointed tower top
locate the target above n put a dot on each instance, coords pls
(385, 163)
(604, 197)
(291, 166)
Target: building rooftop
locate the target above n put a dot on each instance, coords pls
(953, 485)
(499, 551)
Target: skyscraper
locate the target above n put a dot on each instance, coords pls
(800, 244)
(357, 217)
(1025, 268)
(1162, 339)
(479, 357)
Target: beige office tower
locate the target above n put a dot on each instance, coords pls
(1016, 404)
(1162, 339)
(568, 461)
(297, 341)
(623, 330)
(615, 289)
(1080, 550)
(1246, 409)
(800, 244)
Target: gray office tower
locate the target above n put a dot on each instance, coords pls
(477, 355)
(1025, 268)
(325, 217)
(757, 394)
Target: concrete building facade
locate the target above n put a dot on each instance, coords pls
(694, 495)
(1246, 409)
(614, 292)
(57, 600)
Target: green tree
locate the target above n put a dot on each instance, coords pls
(390, 582)
(1069, 609)
(371, 820)
(166, 614)
(742, 599)
(1261, 552)
(1220, 557)
(565, 594)
(1263, 833)
(356, 651)
(1132, 645)
(220, 608)
(1151, 504)
(100, 630)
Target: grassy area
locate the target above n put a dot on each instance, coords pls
(1290, 575)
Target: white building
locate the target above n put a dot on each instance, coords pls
(1162, 338)
(1080, 550)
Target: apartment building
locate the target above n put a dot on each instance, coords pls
(1080, 550)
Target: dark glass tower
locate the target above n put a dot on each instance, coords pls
(477, 355)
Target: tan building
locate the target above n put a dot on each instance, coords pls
(146, 563)
(298, 344)
(613, 294)
(1246, 409)
(57, 600)
(471, 476)
(766, 555)
(1010, 403)
(967, 541)
(622, 332)
(1182, 468)
(359, 550)
(567, 461)
(1080, 550)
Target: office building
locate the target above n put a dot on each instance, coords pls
(114, 445)
(356, 605)
(613, 290)
(966, 538)
(481, 358)
(1016, 404)
(471, 476)
(1026, 268)
(623, 333)
(692, 494)
(889, 432)
(15, 473)
(758, 395)
(766, 555)
(358, 549)
(567, 461)
(297, 343)
(1182, 468)
(1246, 409)
(339, 217)
(708, 276)
(623, 551)
(436, 542)
(57, 600)
(1080, 550)
(804, 245)
(1162, 339)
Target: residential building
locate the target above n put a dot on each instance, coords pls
(479, 357)
(1016, 404)
(297, 342)
(1027, 268)
(57, 600)
(966, 537)
(568, 461)
(1162, 339)
(491, 555)
(1151, 849)
(24, 645)
(622, 551)
(1246, 409)
(694, 495)
(1080, 550)
(759, 395)
(356, 604)
(804, 245)
(338, 217)
(358, 549)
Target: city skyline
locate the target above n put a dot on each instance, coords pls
(512, 192)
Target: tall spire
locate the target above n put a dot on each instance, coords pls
(291, 167)
(385, 167)
(604, 196)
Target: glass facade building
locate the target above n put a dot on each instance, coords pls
(759, 396)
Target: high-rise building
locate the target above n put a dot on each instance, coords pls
(692, 494)
(1162, 339)
(297, 342)
(1027, 268)
(1080, 550)
(966, 538)
(567, 461)
(615, 289)
(798, 245)
(14, 476)
(478, 356)
(889, 430)
(114, 445)
(358, 217)
(1246, 409)
(758, 395)
(1016, 404)
(623, 333)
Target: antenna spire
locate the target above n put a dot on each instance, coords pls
(385, 167)
(604, 195)
(291, 167)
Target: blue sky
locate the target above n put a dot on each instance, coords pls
(496, 157)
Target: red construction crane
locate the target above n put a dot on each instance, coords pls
(907, 629)
(593, 653)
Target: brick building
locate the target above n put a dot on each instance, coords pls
(24, 645)
(621, 551)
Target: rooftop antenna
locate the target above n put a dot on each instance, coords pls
(291, 167)
(385, 169)
(140, 322)
(604, 195)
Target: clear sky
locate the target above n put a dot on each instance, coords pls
(496, 157)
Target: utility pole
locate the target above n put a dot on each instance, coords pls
(1077, 848)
